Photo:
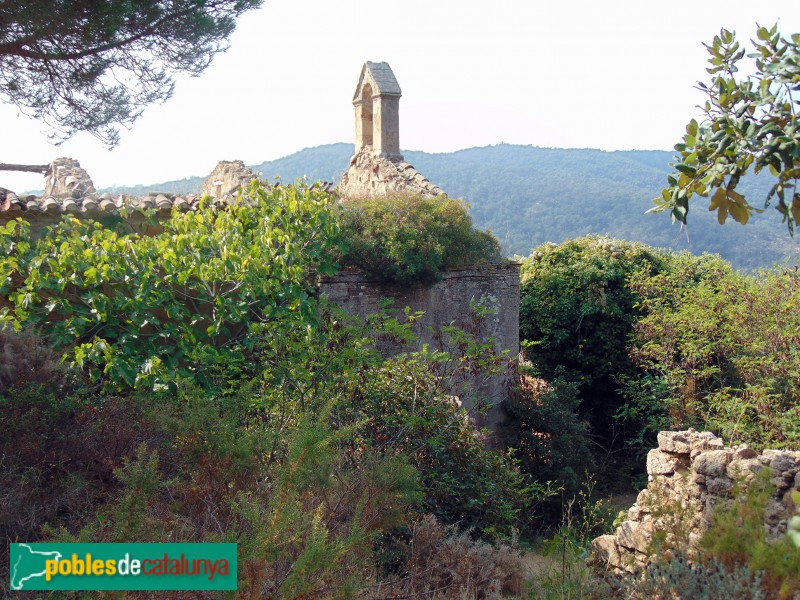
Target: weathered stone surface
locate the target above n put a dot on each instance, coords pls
(69, 190)
(377, 105)
(719, 485)
(377, 168)
(660, 463)
(745, 451)
(372, 175)
(66, 178)
(673, 441)
(745, 468)
(632, 535)
(446, 302)
(605, 549)
(712, 463)
(228, 177)
(781, 460)
(692, 477)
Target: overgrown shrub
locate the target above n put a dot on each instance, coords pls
(548, 437)
(213, 397)
(738, 538)
(60, 445)
(718, 350)
(316, 447)
(26, 358)
(136, 310)
(443, 562)
(576, 313)
(678, 577)
(662, 341)
(405, 239)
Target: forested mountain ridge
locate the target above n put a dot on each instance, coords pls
(529, 195)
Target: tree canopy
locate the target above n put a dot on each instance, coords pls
(748, 121)
(82, 65)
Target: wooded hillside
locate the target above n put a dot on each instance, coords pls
(528, 195)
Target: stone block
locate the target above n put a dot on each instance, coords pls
(660, 463)
(781, 460)
(744, 469)
(632, 535)
(719, 485)
(674, 442)
(712, 463)
(744, 451)
(605, 550)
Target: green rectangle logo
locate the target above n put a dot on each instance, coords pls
(44, 566)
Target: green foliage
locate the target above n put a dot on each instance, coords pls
(679, 577)
(465, 484)
(718, 351)
(738, 538)
(304, 456)
(567, 575)
(747, 122)
(90, 66)
(136, 310)
(314, 537)
(576, 313)
(548, 438)
(528, 196)
(659, 341)
(408, 239)
(239, 407)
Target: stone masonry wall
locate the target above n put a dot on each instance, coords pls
(690, 475)
(448, 302)
(372, 175)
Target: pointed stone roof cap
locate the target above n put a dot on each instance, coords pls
(380, 75)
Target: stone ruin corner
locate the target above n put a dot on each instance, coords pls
(227, 179)
(691, 475)
(65, 178)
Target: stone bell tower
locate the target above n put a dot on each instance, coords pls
(377, 103)
(377, 167)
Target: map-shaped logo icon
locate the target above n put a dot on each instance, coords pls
(27, 564)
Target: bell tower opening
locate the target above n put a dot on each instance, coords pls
(377, 101)
(367, 124)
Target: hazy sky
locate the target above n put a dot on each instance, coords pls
(586, 74)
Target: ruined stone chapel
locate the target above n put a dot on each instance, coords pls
(377, 168)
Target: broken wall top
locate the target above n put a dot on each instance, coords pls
(69, 190)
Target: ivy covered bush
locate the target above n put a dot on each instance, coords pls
(406, 239)
(136, 309)
(717, 349)
(576, 315)
(656, 340)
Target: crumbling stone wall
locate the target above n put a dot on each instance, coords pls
(227, 178)
(66, 178)
(446, 302)
(372, 175)
(690, 475)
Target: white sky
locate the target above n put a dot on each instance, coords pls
(563, 73)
